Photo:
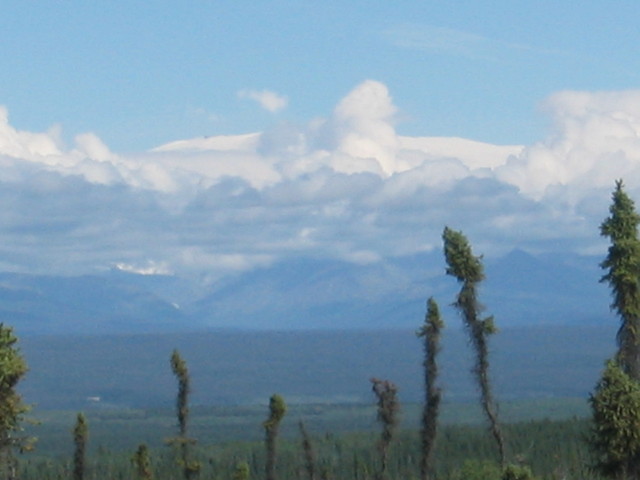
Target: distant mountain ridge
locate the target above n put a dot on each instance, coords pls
(302, 293)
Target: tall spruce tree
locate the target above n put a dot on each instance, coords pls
(615, 403)
(388, 406)
(622, 266)
(12, 409)
(469, 271)
(615, 438)
(277, 411)
(142, 463)
(308, 451)
(182, 442)
(241, 472)
(430, 332)
(80, 436)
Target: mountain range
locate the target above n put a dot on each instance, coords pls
(521, 289)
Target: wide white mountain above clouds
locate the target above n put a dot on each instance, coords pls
(412, 151)
(471, 153)
(222, 143)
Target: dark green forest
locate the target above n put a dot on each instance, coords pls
(552, 448)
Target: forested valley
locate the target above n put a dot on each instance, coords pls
(604, 443)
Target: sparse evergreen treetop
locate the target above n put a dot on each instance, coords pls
(277, 411)
(615, 436)
(622, 266)
(461, 263)
(80, 436)
(12, 409)
(468, 270)
(430, 332)
(615, 403)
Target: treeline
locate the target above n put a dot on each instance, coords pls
(553, 449)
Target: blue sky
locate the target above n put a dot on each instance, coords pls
(139, 74)
(223, 136)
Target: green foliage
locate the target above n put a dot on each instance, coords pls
(180, 370)
(277, 410)
(12, 368)
(12, 409)
(388, 407)
(553, 449)
(616, 401)
(182, 442)
(489, 470)
(308, 452)
(387, 402)
(622, 266)
(517, 472)
(142, 463)
(242, 471)
(478, 470)
(615, 438)
(461, 262)
(80, 436)
(433, 323)
(430, 332)
(468, 270)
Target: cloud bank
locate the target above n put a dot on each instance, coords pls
(346, 186)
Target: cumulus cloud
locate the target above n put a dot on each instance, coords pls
(347, 186)
(361, 128)
(27, 145)
(270, 101)
(595, 139)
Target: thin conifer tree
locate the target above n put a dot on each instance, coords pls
(80, 437)
(469, 271)
(615, 403)
(277, 411)
(12, 408)
(622, 266)
(182, 442)
(614, 439)
(430, 333)
(241, 472)
(142, 463)
(308, 451)
(388, 407)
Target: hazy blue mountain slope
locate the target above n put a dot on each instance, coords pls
(85, 304)
(303, 293)
(520, 289)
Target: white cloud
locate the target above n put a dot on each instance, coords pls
(92, 147)
(27, 145)
(270, 101)
(346, 187)
(149, 268)
(595, 139)
(361, 127)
